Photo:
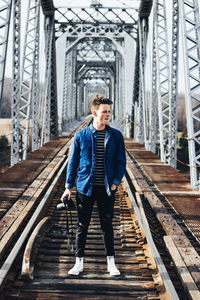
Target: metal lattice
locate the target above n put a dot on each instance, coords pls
(125, 19)
(16, 82)
(36, 89)
(189, 13)
(46, 133)
(153, 105)
(96, 40)
(142, 29)
(28, 73)
(173, 95)
(163, 72)
(5, 13)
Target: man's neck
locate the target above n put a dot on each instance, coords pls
(98, 126)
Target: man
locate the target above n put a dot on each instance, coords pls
(98, 153)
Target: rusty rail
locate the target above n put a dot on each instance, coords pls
(14, 252)
(169, 290)
(34, 240)
(139, 168)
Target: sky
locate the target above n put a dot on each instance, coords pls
(87, 3)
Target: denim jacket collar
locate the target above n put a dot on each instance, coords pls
(93, 130)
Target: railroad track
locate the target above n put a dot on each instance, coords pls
(146, 273)
(139, 279)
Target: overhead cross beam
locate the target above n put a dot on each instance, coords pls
(144, 9)
(123, 17)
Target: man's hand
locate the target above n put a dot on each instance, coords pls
(67, 193)
(113, 187)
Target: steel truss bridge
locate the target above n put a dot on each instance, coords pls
(129, 52)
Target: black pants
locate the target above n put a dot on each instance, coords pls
(105, 205)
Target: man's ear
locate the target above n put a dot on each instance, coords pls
(94, 113)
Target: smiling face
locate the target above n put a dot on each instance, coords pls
(101, 116)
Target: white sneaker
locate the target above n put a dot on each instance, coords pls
(111, 266)
(78, 267)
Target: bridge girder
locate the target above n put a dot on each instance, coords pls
(84, 26)
(145, 8)
(47, 7)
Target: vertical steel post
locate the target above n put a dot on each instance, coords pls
(163, 78)
(36, 89)
(119, 99)
(142, 28)
(134, 123)
(79, 99)
(153, 105)
(49, 29)
(120, 86)
(173, 95)
(16, 81)
(53, 87)
(117, 85)
(74, 96)
(86, 102)
(69, 87)
(28, 73)
(190, 24)
(66, 89)
(5, 13)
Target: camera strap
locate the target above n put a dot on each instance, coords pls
(70, 233)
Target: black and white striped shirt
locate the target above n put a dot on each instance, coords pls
(100, 169)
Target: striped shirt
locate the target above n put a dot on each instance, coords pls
(99, 168)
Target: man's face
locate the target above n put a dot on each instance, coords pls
(102, 115)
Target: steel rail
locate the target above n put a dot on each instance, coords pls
(24, 235)
(27, 267)
(14, 252)
(182, 269)
(170, 290)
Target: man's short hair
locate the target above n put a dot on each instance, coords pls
(98, 100)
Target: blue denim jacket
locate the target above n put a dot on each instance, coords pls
(83, 158)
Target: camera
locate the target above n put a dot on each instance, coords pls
(66, 204)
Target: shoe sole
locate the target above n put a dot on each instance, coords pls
(75, 273)
(115, 274)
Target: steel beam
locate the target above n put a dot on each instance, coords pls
(153, 104)
(143, 31)
(173, 95)
(28, 73)
(136, 84)
(67, 90)
(145, 8)
(125, 18)
(54, 108)
(46, 126)
(80, 33)
(47, 7)
(190, 24)
(36, 89)
(5, 13)
(16, 82)
(119, 92)
(162, 60)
